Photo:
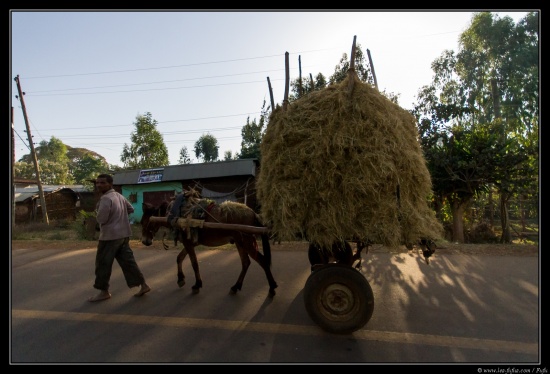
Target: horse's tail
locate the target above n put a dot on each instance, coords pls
(265, 240)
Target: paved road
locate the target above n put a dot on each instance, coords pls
(459, 309)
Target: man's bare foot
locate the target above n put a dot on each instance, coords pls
(102, 295)
(144, 289)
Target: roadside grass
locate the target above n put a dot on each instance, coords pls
(529, 235)
(57, 230)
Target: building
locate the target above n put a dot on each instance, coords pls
(224, 180)
(62, 202)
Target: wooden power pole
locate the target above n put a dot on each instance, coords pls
(33, 154)
(12, 171)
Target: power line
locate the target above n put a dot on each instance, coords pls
(157, 82)
(157, 89)
(159, 122)
(19, 136)
(174, 66)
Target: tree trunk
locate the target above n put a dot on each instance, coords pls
(506, 236)
(457, 208)
(522, 213)
(491, 209)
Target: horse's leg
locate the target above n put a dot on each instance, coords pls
(252, 249)
(181, 276)
(195, 264)
(245, 263)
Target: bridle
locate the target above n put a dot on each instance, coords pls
(150, 229)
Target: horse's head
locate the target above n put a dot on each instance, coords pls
(149, 228)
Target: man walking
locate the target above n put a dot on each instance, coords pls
(114, 241)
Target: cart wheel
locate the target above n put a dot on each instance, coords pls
(338, 298)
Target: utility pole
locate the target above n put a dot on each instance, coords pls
(12, 171)
(33, 153)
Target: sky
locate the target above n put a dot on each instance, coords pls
(87, 75)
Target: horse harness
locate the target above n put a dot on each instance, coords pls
(192, 208)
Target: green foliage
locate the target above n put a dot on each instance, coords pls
(79, 225)
(147, 149)
(362, 68)
(184, 156)
(87, 168)
(498, 55)
(50, 172)
(54, 151)
(76, 154)
(25, 170)
(308, 85)
(53, 163)
(228, 156)
(478, 120)
(252, 134)
(62, 164)
(207, 148)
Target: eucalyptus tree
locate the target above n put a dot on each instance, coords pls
(252, 134)
(184, 156)
(207, 148)
(486, 96)
(147, 149)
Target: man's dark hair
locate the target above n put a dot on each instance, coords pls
(108, 177)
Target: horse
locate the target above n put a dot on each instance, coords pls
(228, 212)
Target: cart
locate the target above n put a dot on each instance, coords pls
(337, 296)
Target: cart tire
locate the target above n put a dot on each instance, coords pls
(338, 298)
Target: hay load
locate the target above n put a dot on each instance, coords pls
(342, 165)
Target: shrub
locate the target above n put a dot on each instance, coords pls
(481, 233)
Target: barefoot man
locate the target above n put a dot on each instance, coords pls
(114, 241)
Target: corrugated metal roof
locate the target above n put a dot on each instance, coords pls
(23, 193)
(193, 171)
(18, 180)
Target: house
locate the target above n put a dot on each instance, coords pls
(62, 202)
(224, 180)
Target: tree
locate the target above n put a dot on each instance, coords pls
(85, 165)
(207, 148)
(252, 134)
(68, 165)
(54, 151)
(362, 68)
(22, 169)
(53, 163)
(147, 149)
(88, 168)
(228, 156)
(308, 85)
(483, 105)
(184, 156)
(51, 172)
(462, 162)
(498, 62)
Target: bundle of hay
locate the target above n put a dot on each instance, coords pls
(342, 165)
